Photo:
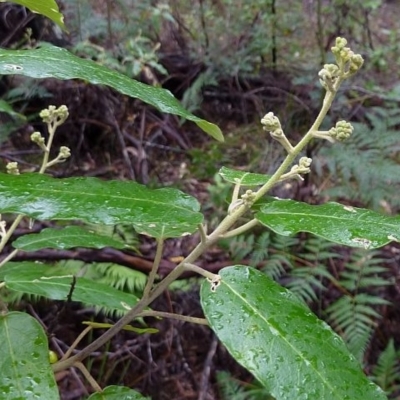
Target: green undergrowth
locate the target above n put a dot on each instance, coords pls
(366, 170)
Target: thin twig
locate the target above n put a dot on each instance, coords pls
(10, 231)
(59, 350)
(203, 233)
(205, 376)
(76, 342)
(241, 229)
(154, 269)
(9, 257)
(88, 377)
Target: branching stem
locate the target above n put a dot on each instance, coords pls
(154, 269)
(223, 230)
(10, 231)
(241, 229)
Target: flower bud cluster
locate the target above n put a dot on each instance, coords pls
(271, 123)
(328, 76)
(344, 56)
(348, 64)
(12, 168)
(37, 138)
(54, 116)
(248, 198)
(303, 167)
(64, 153)
(341, 131)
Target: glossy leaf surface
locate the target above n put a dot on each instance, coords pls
(24, 359)
(48, 8)
(280, 341)
(159, 213)
(33, 278)
(341, 224)
(245, 178)
(66, 238)
(117, 393)
(53, 62)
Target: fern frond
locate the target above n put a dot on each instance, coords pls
(355, 319)
(387, 370)
(275, 266)
(241, 246)
(268, 249)
(310, 272)
(364, 270)
(193, 96)
(120, 277)
(260, 250)
(281, 255)
(366, 168)
(307, 280)
(359, 341)
(229, 388)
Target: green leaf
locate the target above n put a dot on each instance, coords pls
(48, 8)
(53, 62)
(280, 341)
(7, 109)
(11, 121)
(245, 178)
(33, 278)
(160, 213)
(350, 226)
(24, 359)
(66, 238)
(115, 393)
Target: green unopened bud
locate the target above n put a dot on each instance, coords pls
(333, 69)
(340, 43)
(303, 167)
(64, 153)
(12, 168)
(346, 54)
(356, 63)
(341, 131)
(54, 116)
(348, 62)
(328, 75)
(37, 138)
(271, 122)
(248, 197)
(305, 162)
